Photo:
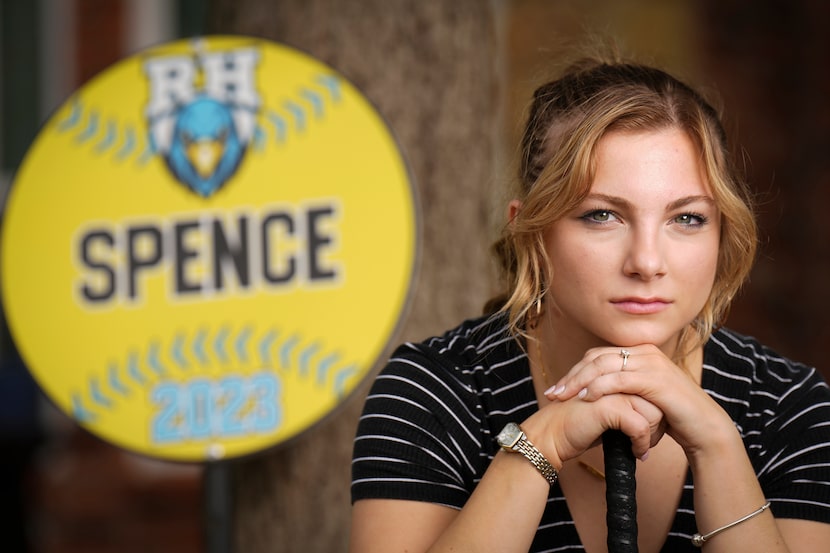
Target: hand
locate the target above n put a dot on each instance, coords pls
(651, 376)
(569, 428)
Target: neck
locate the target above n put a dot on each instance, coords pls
(555, 351)
(551, 356)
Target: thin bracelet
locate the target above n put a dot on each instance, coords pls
(698, 540)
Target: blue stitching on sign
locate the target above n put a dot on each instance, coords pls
(115, 381)
(331, 83)
(315, 100)
(96, 394)
(259, 138)
(101, 393)
(199, 347)
(298, 113)
(133, 370)
(219, 344)
(308, 102)
(242, 344)
(177, 353)
(128, 146)
(305, 357)
(73, 118)
(341, 377)
(285, 351)
(79, 411)
(111, 133)
(108, 140)
(279, 126)
(90, 130)
(128, 138)
(265, 347)
(323, 367)
(153, 360)
(146, 155)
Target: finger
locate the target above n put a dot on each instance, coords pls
(682, 405)
(651, 377)
(637, 428)
(595, 364)
(653, 414)
(580, 425)
(610, 384)
(646, 372)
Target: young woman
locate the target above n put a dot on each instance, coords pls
(629, 236)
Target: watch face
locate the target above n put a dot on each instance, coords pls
(509, 435)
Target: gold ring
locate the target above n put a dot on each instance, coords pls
(624, 353)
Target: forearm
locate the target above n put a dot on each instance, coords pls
(503, 513)
(727, 489)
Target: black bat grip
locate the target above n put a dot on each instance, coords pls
(620, 492)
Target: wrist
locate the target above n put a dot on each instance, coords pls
(722, 443)
(543, 438)
(513, 439)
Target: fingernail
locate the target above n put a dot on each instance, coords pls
(555, 390)
(582, 393)
(644, 457)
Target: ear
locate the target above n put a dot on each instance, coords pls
(513, 209)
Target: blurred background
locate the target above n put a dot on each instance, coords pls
(451, 77)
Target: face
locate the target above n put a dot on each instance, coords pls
(635, 262)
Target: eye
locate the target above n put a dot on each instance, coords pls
(599, 216)
(691, 219)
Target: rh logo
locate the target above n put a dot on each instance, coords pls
(202, 114)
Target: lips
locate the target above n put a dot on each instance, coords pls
(641, 306)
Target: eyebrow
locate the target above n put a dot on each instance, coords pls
(676, 204)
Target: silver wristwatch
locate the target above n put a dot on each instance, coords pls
(512, 438)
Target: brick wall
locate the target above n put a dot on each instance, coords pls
(86, 496)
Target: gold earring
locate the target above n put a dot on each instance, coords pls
(535, 320)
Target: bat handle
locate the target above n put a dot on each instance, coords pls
(620, 492)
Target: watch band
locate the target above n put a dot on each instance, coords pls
(512, 438)
(526, 448)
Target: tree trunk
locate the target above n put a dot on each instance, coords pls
(431, 69)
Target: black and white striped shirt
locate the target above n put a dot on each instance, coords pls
(428, 428)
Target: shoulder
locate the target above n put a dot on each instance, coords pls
(758, 386)
(730, 354)
(474, 339)
(425, 430)
(782, 409)
(459, 377)
(475, 347)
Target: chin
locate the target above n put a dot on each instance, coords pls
(630, 339)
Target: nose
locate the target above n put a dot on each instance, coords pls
(645, 256)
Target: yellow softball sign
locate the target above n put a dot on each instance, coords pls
(207, 248)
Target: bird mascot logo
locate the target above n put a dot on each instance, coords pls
(203, 133)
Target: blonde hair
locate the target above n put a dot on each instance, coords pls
(567, 119)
